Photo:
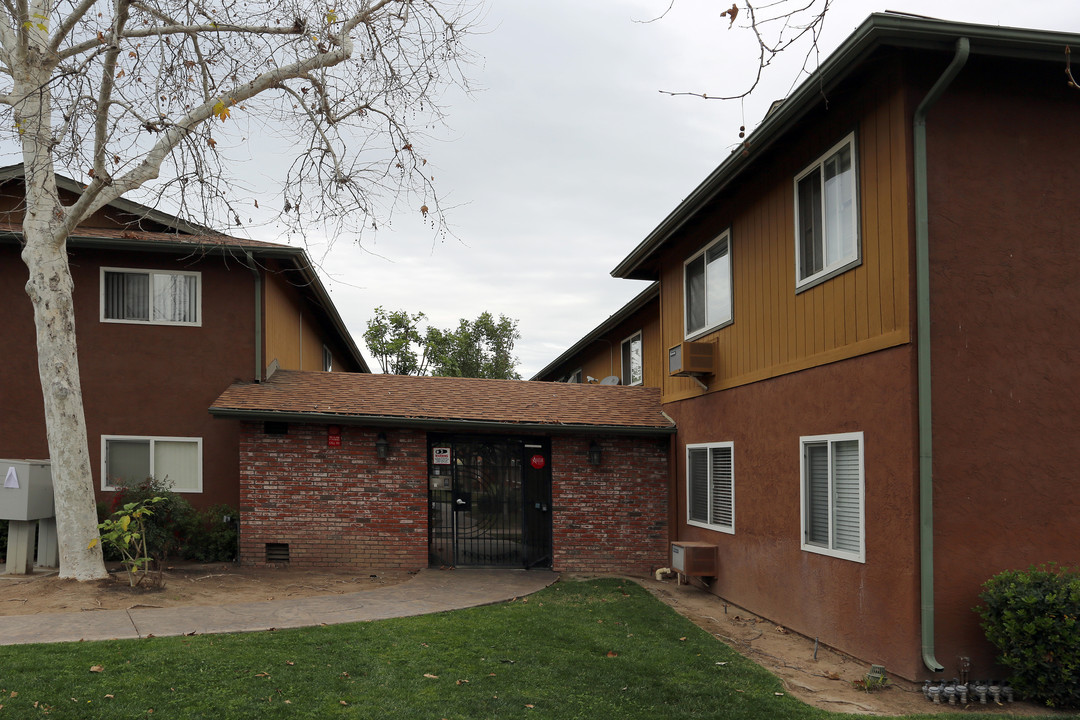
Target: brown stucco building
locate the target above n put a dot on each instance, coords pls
(881, 282)
(149, 372)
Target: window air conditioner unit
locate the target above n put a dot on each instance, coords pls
(692, 358)
(694, 558)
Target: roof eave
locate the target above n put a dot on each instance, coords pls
(877, 30)
(442, 424)
(622, 314)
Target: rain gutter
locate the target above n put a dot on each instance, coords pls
(922, 302)
(258, 314)
(435, 423)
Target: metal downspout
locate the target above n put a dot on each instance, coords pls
(258, 314)
(922, 294)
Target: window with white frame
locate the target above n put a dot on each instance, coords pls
(827, 215)
(327, 359)
(632, 369)
(833, 521)
(707, 287)
(157, 297)
(128, 460)
(710, 486)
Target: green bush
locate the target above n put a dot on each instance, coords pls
(1031, 617)
(212, 537)
(168, 529)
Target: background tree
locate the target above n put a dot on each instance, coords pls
(394, 339)
(481, 348)
(122, 93)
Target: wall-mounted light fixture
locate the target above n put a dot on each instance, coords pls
(595, 454)
(382, 447)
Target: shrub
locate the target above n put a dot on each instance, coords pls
(168, 529)
(1031, 617)
(212, 538)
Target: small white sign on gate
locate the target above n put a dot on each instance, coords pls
(440, 456)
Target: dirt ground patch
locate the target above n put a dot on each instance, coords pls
(824, 681)
(184, 584)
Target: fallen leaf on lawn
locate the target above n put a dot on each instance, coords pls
(491, 674)
(343, 702)
(612, 653)
(530, 706)
(288, 702)
(429, 675)
(96, 668)
(289, 662)
(682, 639)
(110, 696)
(779, 694)
(461, 682)
(262, 674)
(721, 663)
(14, 693)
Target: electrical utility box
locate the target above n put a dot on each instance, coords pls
(27, 490)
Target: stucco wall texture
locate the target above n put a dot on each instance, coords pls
(870, 609)
(1005, 294)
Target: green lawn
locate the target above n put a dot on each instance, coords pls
(595, 649)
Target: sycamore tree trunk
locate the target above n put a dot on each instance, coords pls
(49, 288)
(46, 224)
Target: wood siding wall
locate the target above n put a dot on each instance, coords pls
(293, 337)
(776, 330)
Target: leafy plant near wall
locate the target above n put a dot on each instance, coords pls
(168, 529)
(125, 532)
(212, 536)
(1032, 618)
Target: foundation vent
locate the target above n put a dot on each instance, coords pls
(277, 552)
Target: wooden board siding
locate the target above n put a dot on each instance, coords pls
(776, 330)
(283, 323)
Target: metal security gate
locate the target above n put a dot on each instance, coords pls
(490, 501)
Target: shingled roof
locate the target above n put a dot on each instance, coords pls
(444, 403)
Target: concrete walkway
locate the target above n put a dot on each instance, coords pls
(430, 591)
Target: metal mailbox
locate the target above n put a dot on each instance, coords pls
(27, 491)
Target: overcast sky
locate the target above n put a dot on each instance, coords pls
(568, 155)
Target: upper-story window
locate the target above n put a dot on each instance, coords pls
(327, 359)
(156, 297)
(707, 287)
(827, 216)
(632, 368)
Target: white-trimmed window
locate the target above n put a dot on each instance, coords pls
(707, 287)
(827, 216)
(327, 359)
(129, 460)
(710, 486)
(833, 519)
(157, 297)
(632, 368)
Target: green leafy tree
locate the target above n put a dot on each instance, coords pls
(481, 348)
(394, 339)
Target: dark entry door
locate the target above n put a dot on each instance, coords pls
(490, 501)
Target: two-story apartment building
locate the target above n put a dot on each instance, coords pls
(883, 276)
(167, 315)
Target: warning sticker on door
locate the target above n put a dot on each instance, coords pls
(538, 461)
(440, 456)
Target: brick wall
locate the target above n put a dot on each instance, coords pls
(344, 507)
(611, 517)
(334, 506)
